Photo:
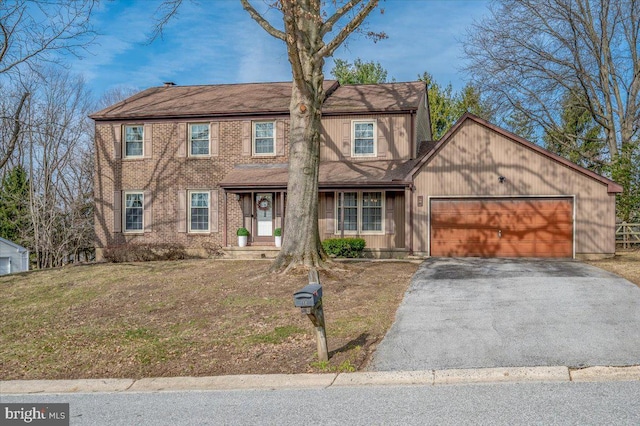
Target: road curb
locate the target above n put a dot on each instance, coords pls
(320, 381)
(605, 374)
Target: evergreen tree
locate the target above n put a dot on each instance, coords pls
(359, 72)
(14, 206)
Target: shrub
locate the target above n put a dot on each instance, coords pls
(278, 232)
(144, 252)
(344, 247)
(242, 232)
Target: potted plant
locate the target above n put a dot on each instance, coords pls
(242, 234)
(278, 234)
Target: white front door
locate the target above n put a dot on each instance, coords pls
(264, 213)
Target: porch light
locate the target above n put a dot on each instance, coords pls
(237, 197)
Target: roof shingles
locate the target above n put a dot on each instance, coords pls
(259, 98)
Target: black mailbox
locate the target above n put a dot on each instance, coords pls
(308, 297)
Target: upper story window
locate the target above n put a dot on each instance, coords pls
(363, 141)
(133, 212)
(362, 212)
(199, 139)
(264, 138)
(134, 141)
(199, 211)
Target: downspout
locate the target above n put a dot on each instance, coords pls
(411, 189)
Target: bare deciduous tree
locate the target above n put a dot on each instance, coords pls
(33, 33)
(529, 54)
(60, 168)
(306, 25)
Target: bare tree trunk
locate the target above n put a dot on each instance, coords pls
(15, 133)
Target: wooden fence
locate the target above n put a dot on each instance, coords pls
(627, 234)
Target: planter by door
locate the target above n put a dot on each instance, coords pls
(278, 241)
(242, 241)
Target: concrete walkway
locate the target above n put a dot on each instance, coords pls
(485, 313)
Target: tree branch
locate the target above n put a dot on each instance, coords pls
(330, 47)
(327, 27)
(263, 22)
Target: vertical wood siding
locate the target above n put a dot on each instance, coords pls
(472, 161)
(379, 241)
(394, 142)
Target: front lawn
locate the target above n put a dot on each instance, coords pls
(189, 318)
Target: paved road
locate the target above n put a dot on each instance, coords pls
(468, 313)
(498, 404)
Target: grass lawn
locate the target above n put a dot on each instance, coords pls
(192, 317)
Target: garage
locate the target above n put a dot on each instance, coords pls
(503, 227)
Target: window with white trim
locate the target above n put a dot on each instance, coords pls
(133, 212)
(198, 211)
(363, 140)
(134, 141)
(363, 212)
(264, 138)
(199, 139)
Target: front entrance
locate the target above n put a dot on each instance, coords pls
(264, 216)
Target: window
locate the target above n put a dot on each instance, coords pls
(198, 211)
(264, 138)
(362, 212)
(364, 141)
(133, 211)
(133, 141)
(199, 139)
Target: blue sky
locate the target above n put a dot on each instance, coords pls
(215, 41)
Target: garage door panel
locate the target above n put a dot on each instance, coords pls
(502, 228)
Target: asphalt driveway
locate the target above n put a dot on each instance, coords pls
(471, 313)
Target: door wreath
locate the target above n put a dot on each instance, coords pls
(264, 204)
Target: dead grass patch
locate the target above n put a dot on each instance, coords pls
(189, 317)
(624, 263)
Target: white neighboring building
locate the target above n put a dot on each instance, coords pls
(13, 258)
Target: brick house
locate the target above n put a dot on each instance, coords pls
(192, 164)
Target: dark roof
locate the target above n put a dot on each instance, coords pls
(259, 98)
(431, 150)
(332, 174)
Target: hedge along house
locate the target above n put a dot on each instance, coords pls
(190, 165)
(482, 191)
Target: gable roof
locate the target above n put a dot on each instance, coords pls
(226, 100)
(612, 187)
(18, 247)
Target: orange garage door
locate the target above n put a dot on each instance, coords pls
(512, 227)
